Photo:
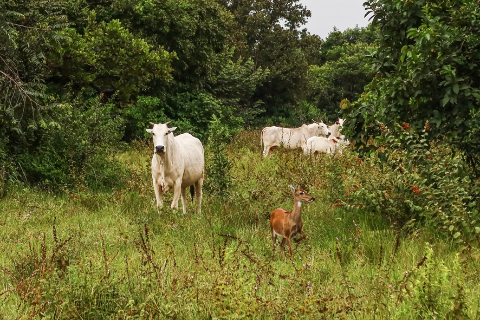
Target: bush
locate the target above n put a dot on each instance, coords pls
(76, 147)
(409, 179)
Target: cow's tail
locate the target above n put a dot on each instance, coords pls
(192, 191)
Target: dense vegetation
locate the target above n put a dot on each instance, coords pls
(78, 77)
(395, 231)
(91, 255)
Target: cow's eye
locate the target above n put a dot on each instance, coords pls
(153, 134)
(302, 193)
(166, 133)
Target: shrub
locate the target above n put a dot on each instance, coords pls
(76, 147)
(410, 179)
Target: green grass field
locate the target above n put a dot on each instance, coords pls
(109, 255)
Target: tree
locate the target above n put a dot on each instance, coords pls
(268, 32)
(342, 71)
(426, 69)
(342, 76)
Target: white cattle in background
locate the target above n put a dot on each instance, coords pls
(177, 163)
(331, 145)
(291, 138)
(336, 128)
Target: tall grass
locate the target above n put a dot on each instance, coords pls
(90, 255)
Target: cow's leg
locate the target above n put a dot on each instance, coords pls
(266, 150)
(158, 194)
(199, 195)
(177, 190)
(184, 200)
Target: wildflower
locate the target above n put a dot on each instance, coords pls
(358, 231)
(255, 287)
(406, 126)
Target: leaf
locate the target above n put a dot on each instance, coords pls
(450, 228)
(456, 88)
(456, 235)
(477, 229)
(445, 100)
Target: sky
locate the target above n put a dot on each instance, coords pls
(326, 14)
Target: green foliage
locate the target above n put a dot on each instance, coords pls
(425, 70)
(219, 179)
(342, 76)
(268, 33)
(415, 180)
(109, 255)
(74, 150)
(146, 109)
(108, 59)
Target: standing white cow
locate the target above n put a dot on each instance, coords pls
(177, 163)
(291, 138)
(336, 127)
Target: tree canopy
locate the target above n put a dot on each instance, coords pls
(426, 69)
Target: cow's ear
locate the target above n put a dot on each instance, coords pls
(149, 130)
(171, 129)
(292, 188)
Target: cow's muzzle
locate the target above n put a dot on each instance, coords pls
(328, 134)
(159, 149)
(313, 199)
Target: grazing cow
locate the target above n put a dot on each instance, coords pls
(177, 163)
(336, 127)
(287, 224)
(272, 137)
(331, 145)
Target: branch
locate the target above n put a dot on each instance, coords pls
(19, 86)
(19, 25)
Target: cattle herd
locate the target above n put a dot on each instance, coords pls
(178, 163)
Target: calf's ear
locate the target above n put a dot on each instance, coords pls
(149, 130)
(292, 188)
(171, 129)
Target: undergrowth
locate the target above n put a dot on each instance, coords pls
(109, 255)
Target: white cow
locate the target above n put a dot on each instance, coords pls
(336, 127)
(177, 163)
(331, 145)
(291, 138)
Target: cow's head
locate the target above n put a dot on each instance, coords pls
(319, 129)
(160, 134)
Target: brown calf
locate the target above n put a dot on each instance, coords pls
(288, 224)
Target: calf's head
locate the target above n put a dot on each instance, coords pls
(160, 134)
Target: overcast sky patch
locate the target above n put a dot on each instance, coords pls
(327, 14)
